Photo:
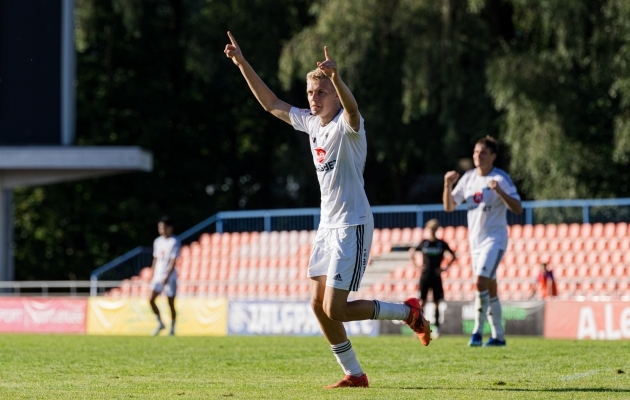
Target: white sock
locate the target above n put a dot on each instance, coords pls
(481, 308)
(390, 311)
(495, 315)
(347, 359)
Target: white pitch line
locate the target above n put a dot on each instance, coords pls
(579, 376)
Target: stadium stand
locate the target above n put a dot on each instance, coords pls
(589, 261)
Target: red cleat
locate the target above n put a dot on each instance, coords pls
(350, 381)
(417, 322)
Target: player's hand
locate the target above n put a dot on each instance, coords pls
(451, 177)
(494, 185)
(233, 51)
(328, 66)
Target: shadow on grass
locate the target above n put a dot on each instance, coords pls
(508, 389)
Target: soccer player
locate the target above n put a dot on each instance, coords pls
(433, 250)
(165, 252)
(336, 134)
(488, 192)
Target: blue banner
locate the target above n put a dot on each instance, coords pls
(285, 318)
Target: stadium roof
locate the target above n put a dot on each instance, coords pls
(29, 166)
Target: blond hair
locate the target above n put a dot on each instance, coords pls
(433, 224)
(316, 75)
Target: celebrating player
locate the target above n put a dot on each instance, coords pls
(165, 252)
(341, 247)
(433, 250)
(488, 193)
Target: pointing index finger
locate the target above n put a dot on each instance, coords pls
(326, 52)
(232, 39)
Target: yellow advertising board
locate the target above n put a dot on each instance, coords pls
(133, 316)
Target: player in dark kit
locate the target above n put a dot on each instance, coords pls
(433, 250)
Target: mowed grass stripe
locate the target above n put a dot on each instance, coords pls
(399, 367)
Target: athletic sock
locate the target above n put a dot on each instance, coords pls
(495, 315)
(159, 319)
(390, 311)
(347, 359)
(437, 316)
(481, 308)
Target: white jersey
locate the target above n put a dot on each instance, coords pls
(487, 214)
(164, 250)
(339, 155)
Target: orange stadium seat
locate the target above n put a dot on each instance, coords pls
(585, 230)
(516, 232)
(609, 229)
(621, 229)
(562, 231)
(527, 231)
(551, 231)
(461, 233)
(448, 233)
(539, 231)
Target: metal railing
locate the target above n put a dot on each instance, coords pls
(402, 216)
(73, 288)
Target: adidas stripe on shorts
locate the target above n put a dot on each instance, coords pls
(341, 254)
(485, 261)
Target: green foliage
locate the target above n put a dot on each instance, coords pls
(550, 79)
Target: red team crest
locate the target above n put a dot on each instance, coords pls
(320, 154)
(478, 197)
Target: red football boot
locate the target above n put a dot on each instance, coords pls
(417, 322)
(350, 381)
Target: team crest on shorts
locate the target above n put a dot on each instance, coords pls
(320, 154)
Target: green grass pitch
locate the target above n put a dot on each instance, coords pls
(399, 367)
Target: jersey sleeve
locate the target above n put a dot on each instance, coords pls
(155, 254)
(458, 191)
(176, 248)
(300, 118)
(347, 129)
(509, 187)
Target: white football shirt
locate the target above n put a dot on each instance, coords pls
(339, 155)
(164, 250)
(487, 214)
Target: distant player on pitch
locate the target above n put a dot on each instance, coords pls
(165, 252)
(336, 134)
(432, 250)
(488, 192)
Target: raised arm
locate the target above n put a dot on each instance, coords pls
(263, 94)
(349, 104)
(447, 196)
(511, 203)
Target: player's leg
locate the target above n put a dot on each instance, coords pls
(424, 289)
(349, 249)
(335, 333)
(156, 289)
(438, 296)
(482, 295)
(171, 292)
(333, 330)
(495, 311)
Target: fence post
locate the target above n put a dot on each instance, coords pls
(420, 217)
(93, 283)
(267, 219)
(585, 216)
(529, 217)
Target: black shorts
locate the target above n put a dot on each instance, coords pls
(435, 284)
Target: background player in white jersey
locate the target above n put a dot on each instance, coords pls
(165, 252)
(488, 192)
(342, 244)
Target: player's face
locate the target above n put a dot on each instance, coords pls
(322, 97)
(164, 230)
(483, 157)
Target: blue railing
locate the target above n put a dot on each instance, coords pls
(403, 216)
